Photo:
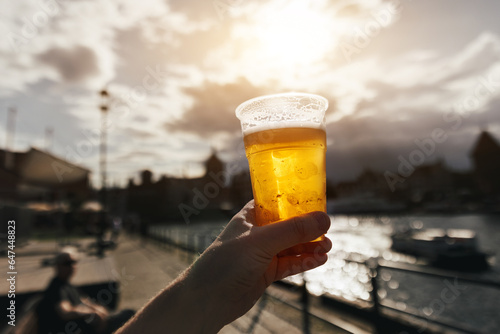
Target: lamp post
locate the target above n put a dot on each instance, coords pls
(102, 165)
(103, 149)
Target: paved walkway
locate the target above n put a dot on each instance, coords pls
(34, 270)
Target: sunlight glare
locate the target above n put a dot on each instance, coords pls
(293, 36)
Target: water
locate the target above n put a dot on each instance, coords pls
(448, 300)
(361, 237)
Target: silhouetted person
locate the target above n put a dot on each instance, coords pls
(62, 308)
(116, 228)
(101, 230)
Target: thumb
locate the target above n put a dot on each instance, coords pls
(287, 233)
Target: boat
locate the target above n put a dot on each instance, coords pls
(455, 249)
(363, 204)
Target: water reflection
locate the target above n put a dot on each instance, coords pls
(357, 239)
(345, 274)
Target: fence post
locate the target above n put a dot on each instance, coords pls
(374, 271)
(304, 298)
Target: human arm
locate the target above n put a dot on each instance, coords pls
(94, 306)
(68, 312)
(94, 315)
(232, 274)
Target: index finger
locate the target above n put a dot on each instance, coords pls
(279, 236)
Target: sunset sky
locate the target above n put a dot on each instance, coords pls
(393, 71)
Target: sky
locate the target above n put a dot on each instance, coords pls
(400, 76)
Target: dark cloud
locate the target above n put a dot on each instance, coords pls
(214, 106)
(392, 122)
(375, 140)
(76, 64)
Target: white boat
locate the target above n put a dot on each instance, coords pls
(453, 248)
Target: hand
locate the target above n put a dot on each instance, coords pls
(245, 259)
(232, 274)
(102, 311)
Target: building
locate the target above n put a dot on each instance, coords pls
(485, 156)
(36, 175)
(179, 199)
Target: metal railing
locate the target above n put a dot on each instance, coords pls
(378, 305)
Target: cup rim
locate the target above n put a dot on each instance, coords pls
(245, 104)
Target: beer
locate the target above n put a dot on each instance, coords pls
(287, 169)
(285, 144)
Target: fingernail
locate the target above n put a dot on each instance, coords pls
(323, 220)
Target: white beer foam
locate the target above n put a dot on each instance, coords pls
(282, 125)
(282, 110)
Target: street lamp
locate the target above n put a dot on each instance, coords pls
(102, 163)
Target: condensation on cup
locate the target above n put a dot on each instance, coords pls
(285, 144)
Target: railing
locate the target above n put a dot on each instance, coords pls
(377, 266)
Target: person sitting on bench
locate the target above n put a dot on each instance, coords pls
(63, 309)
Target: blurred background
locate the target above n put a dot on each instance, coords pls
(119, 116)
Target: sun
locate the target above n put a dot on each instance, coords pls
(291, 36)
(296, 35)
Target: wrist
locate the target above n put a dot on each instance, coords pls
(206, 297)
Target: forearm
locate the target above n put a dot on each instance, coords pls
(97, 308)
(232, 273)
(76, 312)
(182, 307)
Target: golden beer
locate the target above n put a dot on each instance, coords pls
(285, 144)
(287, 169)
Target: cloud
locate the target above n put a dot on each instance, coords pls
(135, 155)
(73, 65)
(394, 91)
(138, 133)
(194, 47)
(474, 59)
(195, 9)
(213, 107)
(459, 94)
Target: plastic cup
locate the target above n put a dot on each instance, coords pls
(285, 144)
